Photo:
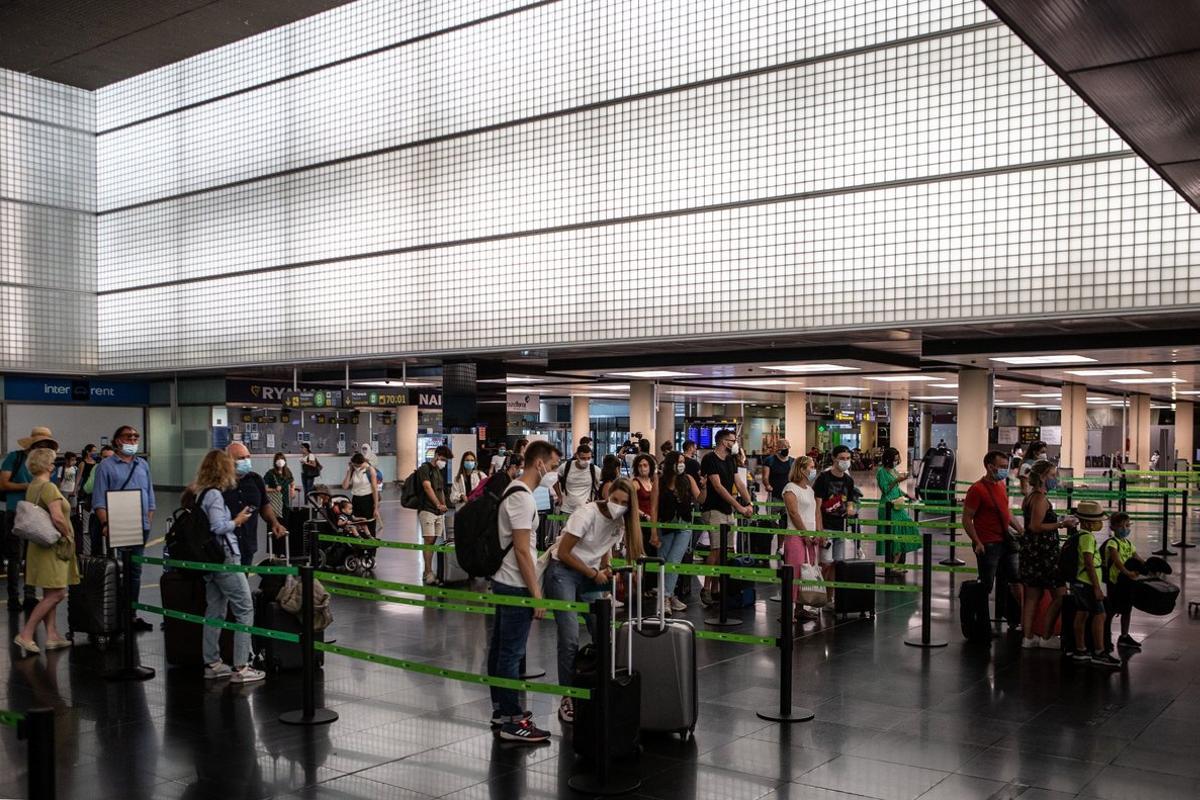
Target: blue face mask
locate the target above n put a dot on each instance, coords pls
(243, 466)
(468, 465)
(1122, 533)
(1051, 484)
(1002, 474)
(129, 449)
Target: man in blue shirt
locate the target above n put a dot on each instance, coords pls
(124, 471)
(14, 480)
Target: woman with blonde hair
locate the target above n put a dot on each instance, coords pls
(804, 514)
(579, 568)
(224, 590)
(52, 568)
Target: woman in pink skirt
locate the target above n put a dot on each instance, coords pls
(804, 514)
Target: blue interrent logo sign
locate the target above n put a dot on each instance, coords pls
(67, 390)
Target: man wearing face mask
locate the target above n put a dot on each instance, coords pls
(579, 479)
(250, 492)
(834, 490)
(432, 512)
(775, 471)
(124, 471)
(719, 469)
(987, 520)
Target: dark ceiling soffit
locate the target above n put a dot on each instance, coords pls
(1070, 342)
(1041, 53)
(702, 357)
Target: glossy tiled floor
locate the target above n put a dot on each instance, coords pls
(892, 722)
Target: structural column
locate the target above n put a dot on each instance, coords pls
(664, 428)
(974, 420)
(1073, 452)
(581, 422)
(406, 440)
(1185, 446)
(898, 419)
(926, 432)
(795, 421)
(868, 434)
(641, 408)
(1138, 422)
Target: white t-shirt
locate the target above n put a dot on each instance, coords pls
(597, 534)
(577, 484)
(68, 479)
(498, 462)
(518, 510)
(806, 502)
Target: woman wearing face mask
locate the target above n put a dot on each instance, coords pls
(677, 496)
(579, 568)
(364, 491)
(280, 487)
(804, 514)
(888, 479)
(310, 469)
(466, 481)
(1039, 555)
(1037, 452)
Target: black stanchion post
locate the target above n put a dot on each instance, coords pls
(130, 669)
(952, 560)
(926, 639)
(309, 714)
(1070, 503)
(601, 781)
(786, 711)
(1122, 488)
(37, 729)
(889, 546)
(1110, 489)
(723, 619)
(1183, 543)
(1166, 550)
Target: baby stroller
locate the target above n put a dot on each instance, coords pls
(323, 520)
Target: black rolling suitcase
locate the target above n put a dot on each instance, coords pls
(625, 695)
(93, 604)
(183, 641)
(973, 615)
(299, 540)
(854, 601)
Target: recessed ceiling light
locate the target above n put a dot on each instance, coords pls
(936, 397)
(1105, 373)
(391, 383)
(1012, 403)
(1160, 407)
(1187, 392)
(812, 368)
(824, 389)
(944, 385)
(690, 392)
(1148, 380)
(1055, 359)
(1044, 395)
(655, 373)
(900, 378)
(765, 382)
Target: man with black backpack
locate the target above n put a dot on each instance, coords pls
(580, 480)
(516, 527)
(14, 480)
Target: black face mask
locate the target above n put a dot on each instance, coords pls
(783, 453)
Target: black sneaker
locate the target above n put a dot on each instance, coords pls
(1105, 660)
(1130, 642)
(141, 625)
(524, 731)
(1080, 657)
(498, 719)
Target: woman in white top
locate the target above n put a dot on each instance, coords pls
(466, 481)
(579, 567)
(364, 491)
(804, 514)
(67, 477)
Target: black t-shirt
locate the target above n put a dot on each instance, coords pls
(778, 470)
(250, 491)
(726, 468)
(691, 467)
(437, 481)
(834, 493)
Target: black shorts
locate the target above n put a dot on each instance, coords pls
(1085, 598)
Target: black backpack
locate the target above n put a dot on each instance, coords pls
(1068, 560)
(477, 534)
(595, 480)
(190, 538)
(410, 492)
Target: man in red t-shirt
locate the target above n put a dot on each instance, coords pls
(986, 518)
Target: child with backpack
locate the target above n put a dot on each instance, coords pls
(1116, 552)
(1082, 554)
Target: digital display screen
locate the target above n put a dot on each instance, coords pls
(937, 462)
(693, 434)
(706, 434)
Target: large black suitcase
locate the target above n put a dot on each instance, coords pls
(183, 641)
(973, 614)
(625, 706)
(1154, 595)
(93, 604)
(299, 539)
(276, 655)
(854, 601)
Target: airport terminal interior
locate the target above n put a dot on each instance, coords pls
(781, 399)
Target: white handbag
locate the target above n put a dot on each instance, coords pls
(812, 595)
(33, 524)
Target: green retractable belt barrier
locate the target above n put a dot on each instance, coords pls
(455, 594)
(11, 718)
(282, 636)
(205, 566)
(380, 543)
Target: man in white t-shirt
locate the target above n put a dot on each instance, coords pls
(580, 480)
(517, 577)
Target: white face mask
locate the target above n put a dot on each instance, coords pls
(734, 448)
(680, 468)
(811, 475)
(549, 479)
(616, 510)
(843, 465)
(440, 463)
(280, 463)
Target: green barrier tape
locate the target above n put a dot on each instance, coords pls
(758, 574)
(219, 623)
(871, 587)
(207, 567)
(948, 543)
(359, 542)
(934, 567)
(456, 594)
(11, 718)
(453, 674)
(739, 638)
(405, 601)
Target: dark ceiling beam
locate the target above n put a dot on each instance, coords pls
(1064, 343)
(700, 357)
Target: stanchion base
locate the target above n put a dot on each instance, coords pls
(590, 783)
(1182, 545)
(129, 674)
(931, 643)
(952, 562)
(321, 716)
(533, 674)
(726, 624)
(795, 714)
(1163, 551)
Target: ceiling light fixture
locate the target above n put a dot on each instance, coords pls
(900, 378)
(934, 397)
(1148, 380)
(1043, 360)
(391, 383)
(795, 368)
(1050, 395)
(827, 389)
(1106, 373)
(944, 385)
(765, 382)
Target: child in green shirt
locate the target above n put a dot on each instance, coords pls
(1088, 591)
(1118, 551)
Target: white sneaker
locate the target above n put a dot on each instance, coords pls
(677, 604)
(617, 603)
(247, 674)
(217, 670)
(1050, 643)
(1029, 643)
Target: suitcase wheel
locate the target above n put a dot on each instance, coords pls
(351, 564)
(368, 564)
